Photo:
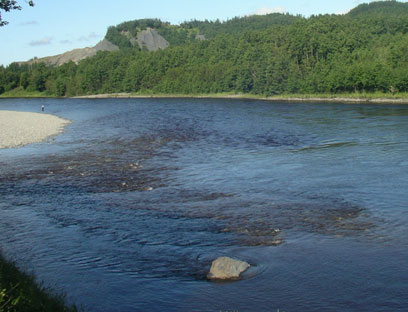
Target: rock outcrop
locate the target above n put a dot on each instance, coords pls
(200, 37)
(151, 40)
(225, 268)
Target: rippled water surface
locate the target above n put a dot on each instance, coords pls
(128, 207)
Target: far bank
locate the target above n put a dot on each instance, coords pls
(374, 98)
(343, 98)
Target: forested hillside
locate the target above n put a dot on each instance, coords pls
(122, 34)
(365, 50)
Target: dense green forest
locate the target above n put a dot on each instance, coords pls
(365, 50)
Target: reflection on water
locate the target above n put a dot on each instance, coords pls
(126, 210)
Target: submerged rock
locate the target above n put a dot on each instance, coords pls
(225, 268)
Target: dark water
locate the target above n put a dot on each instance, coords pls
(126, 210)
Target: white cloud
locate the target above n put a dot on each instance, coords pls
(266, 10)
(89, 37)
(357, 2)
(344, 12)
(29, 23)
(41, 42)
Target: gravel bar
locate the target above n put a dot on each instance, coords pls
(21, 128)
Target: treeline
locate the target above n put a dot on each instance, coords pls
(211, 29)
(363, 51)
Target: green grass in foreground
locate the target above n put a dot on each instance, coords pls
(20, 293)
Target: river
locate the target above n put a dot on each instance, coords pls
(127, 208)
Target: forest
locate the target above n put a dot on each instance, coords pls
(365, 50)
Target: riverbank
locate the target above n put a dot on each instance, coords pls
(375, 98)
(21, 128)
(346, 98)
(19, 292)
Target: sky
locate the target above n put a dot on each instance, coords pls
(55, 26)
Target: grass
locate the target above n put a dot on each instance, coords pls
(339, 97)
(196, 95)
(375, 97)
(19, 292)
(21, 93)
(351, 96)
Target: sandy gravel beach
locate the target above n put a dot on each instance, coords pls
(21, 128)
(339, 99)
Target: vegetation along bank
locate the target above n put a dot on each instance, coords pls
(19, 292)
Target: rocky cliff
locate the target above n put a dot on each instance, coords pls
(151, 40)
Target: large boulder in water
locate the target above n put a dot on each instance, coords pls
(225, 268)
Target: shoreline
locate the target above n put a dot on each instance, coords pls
(20, 291)
(350, 98)
(333, 99)
(18, 129)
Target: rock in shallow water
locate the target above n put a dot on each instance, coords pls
(225, 268)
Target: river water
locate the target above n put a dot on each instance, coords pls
(128, 207)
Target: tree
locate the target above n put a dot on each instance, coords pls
(25, 80)
(39, 77)
(8, 5)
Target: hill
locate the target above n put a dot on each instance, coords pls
(392, 7)
(127, 34)
(75, 55)
(363, 51)
(153, 34)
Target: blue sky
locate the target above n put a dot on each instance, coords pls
(57, 26)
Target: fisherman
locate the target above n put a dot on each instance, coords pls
(42, 107)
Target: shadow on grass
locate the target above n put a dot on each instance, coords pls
(19, 292)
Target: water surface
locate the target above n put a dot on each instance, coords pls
(126, 210)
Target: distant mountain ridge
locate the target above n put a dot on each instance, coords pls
(380, 7)
(154, 34)
(75, 55)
